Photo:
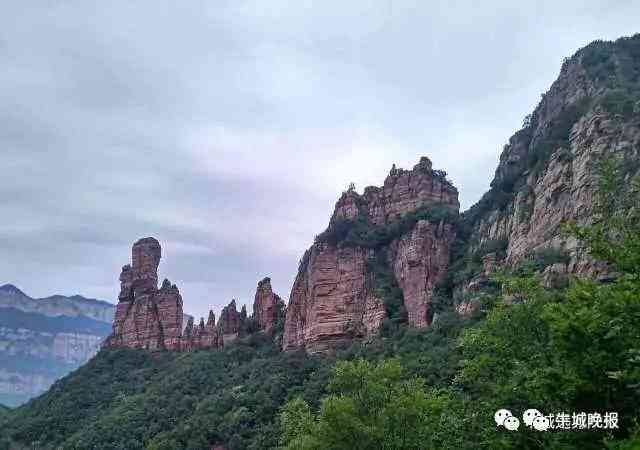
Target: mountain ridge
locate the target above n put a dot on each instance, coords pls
(12, 296)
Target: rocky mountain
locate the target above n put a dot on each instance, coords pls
(398, 234)
(151, 318)
(268, 307)
(548, 170)
(546, 177)
(43, 339)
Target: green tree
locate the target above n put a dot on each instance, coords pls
(371, 405)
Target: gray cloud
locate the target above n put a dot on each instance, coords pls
(228, 129)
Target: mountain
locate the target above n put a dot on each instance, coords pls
(43, 339)
(408, 325)
(56, 305)
(399, 233)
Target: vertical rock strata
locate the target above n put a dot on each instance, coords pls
(420, 260)
(331, 301)
(229, 323)
(268, 308)
(334, 297)
(151, 318)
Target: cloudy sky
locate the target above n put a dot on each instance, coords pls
(228, 129)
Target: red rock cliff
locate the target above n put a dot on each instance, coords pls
(420, 260)
(268, 308)
(334, 297)
(229, 323)
(151, 318)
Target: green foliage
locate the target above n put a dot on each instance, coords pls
(497, 246)
(557, 135)
(613, 63)
(620, 101)
(614, 235)
(133, 399)
(387, 288)
(369, 406)
(361, 233)
(538, 260)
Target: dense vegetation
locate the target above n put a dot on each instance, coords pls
(359, 232)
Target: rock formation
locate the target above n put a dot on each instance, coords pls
(334, 297)
(152, 318)
(420, 260)
(268, 308)
(229, 323)
(547, 173)
(332, 300)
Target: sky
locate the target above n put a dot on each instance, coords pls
(228, 129)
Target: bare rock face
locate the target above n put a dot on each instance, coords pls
(403, 191)
(420, 260)
(334, 298)
(151, 318)
(229, 323)
(146, 255)
(268, 307)
(331, 301)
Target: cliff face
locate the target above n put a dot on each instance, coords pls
(268, 307)
(42, 340)
(332, 300)
(229, 323)
(563, 191)
(548, 171)
(336, 295)
(420, 260)
(152, 318)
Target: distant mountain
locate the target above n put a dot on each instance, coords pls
(43, 339)
(56, 305)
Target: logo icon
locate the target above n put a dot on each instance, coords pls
(501, 415)
(529, 416)
(512, 423)
(541, 423)
(504, 418)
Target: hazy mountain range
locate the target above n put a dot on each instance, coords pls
(42, 339)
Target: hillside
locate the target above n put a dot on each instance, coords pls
(408, 325)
